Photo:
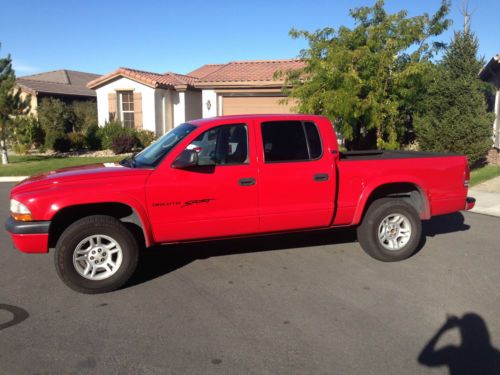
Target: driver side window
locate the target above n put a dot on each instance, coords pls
(222, 145)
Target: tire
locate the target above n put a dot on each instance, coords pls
(390, 241)
(115, 256)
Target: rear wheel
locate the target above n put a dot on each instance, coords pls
(96, 254)
(391, 230)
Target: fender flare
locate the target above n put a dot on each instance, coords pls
(401, 179)
(120, 198)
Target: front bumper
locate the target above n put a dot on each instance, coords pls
(29, 236)
(470, 203)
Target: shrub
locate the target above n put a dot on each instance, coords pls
(92, 138)
(55, 119)
(85, 115)
(145, 138)
(111, 130)
(62, 144)
(77, 141)
(20, 148)
(123, 143)
(26, 130)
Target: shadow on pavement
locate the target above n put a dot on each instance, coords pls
(474, 356)
(161, 260)
(454, 222)
(18, 315)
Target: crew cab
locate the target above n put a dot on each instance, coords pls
(226, 177)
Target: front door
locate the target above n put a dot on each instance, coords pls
(215, 199)
(297, 177)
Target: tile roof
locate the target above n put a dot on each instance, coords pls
(62, 82)
(252, 71)
(205, 70)
(256, 72)
(166, 80)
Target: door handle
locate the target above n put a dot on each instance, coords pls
(246, 181)
(321, 177)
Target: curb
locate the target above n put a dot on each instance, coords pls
(12, 178)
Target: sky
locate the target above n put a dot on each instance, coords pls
(99, 36)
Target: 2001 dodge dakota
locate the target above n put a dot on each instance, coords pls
(226, 177)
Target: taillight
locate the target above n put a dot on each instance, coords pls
(466, 176)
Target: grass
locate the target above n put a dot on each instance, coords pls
(33, 164)
(483, 174)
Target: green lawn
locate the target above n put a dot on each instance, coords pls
(30, 165)
(485, 173)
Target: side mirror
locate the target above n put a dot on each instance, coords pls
(187, 159)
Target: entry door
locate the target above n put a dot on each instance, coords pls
(297, 178)
(215, 199)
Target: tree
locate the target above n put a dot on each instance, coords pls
(56, 120)
(369, 79)
(454, 114)
(11, 102)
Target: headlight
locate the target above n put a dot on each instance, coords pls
(19, 211)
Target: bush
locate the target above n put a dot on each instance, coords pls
(85, 115)
(62, 144)
(123, 143)
(56, 119)
(145, 138)
(77, 141)
(20, 148)
(26, 130)
(112, 130)
(92, 138)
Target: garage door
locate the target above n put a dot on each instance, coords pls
(241, 105)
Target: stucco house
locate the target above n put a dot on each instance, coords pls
(158, 102)
(66, 85)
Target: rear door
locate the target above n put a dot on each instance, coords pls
(218, 198)
(297, 178)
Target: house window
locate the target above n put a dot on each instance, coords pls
(127, 108)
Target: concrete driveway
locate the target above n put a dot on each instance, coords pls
(297, 304)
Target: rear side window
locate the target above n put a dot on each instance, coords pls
(290, 141)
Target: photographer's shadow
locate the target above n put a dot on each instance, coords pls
(474, 356)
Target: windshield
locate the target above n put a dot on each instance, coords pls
(152, 155)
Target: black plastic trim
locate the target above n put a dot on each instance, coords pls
(471, 200)
(27, 227)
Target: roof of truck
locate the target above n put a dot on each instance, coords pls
(284, 116)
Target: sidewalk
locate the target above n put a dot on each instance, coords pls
(487, 196)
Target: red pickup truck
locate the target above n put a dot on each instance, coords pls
(226, 177)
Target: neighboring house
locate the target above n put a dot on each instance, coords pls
(491, 73)
(158, 102)
(66, 85)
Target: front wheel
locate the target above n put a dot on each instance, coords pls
(96, 254)
(391, 230)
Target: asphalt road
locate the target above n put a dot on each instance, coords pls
(297, 304)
